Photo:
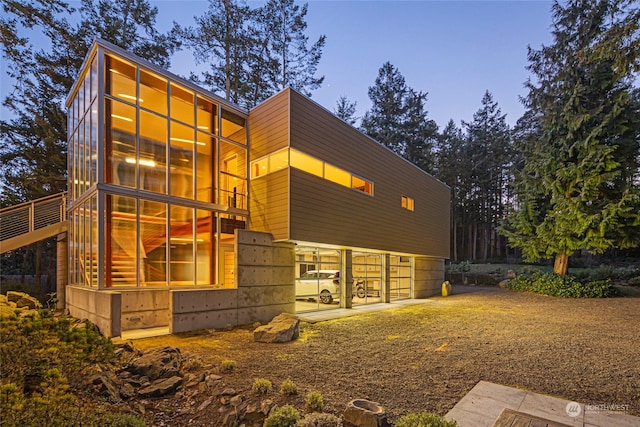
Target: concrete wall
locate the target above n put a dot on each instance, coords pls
(428, 277)
(265, 288)
(102, 308)
(144, 308)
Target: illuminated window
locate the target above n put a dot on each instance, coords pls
(120, 79)
(181, 104)
(306, 163)
(361, 184)
(337, 175)
(294, 158)
(153, 92)
(407, 203)
(233, 127)
(207, 116)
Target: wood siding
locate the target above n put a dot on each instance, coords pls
(269, 126)
(269, 204)
(324, 212)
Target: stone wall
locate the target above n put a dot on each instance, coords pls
(428, 278)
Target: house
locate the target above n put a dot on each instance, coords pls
(188, 212)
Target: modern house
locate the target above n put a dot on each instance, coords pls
(188, 212)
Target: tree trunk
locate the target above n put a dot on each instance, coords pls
(561, 265)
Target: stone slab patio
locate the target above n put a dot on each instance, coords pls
(486, 401)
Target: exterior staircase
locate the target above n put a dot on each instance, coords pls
(30, 222)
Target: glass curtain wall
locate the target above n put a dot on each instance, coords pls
(82, 125)
(174, 161)
(317, 278)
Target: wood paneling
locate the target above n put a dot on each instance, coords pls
(269, 125)
(269, 204)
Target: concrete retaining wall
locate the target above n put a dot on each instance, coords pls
(102, 308)
(265, 287)
(428, 278)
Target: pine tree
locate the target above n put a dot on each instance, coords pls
(346, 110)
(398, 118)
(383, 122)
(281, 25)
(221, 39)
(578, 187)
(489, 147)
(453, 168)
(420, 132)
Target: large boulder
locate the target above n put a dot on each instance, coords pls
(283, 328)
(161, 387)
(23, 300)
(161, 362)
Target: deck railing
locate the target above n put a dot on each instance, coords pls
(31, 216)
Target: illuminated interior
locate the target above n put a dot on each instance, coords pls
(175, 163)
(290, 157)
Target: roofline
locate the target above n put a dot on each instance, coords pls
(117, 50)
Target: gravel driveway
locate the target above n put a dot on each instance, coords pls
(428, 356)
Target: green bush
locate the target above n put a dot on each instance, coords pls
(285, 416)
(561, 286)
(288, 388)
(424, 419)
(261, 386)
(314, 401)
(317, 419)
(227, 365)
(42, 358)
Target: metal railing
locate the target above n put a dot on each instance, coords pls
(31, 216)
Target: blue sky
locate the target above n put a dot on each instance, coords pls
(454, 50)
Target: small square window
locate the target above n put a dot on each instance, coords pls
(407, 203)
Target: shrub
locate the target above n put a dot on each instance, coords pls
(288, 388)
(424, 419)
(261, 386)
(285, 416)
(227, 365)
(313, 401)
(561, 286)
(317, 419)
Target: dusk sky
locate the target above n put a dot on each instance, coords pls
(454, 50)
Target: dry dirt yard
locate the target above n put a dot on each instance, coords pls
(428, 356)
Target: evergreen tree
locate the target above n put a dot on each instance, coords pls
(346, 110)
(33, 147)
(383, 122)
(420, 132)
(453, 168)
(221, 39)
(282, 25)
(578, 187)
(489, 148)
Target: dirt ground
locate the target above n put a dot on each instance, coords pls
(428, 356)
